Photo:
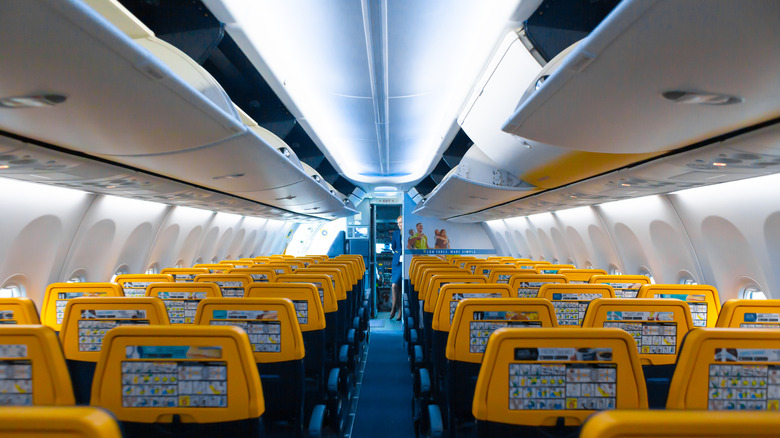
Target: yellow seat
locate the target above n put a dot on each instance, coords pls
(723, 369)
(33, 367)
(657, 325)
(701, 298)
(672, 424)
(216, 268)
(185, 275)
(86, 322)
(58, 294)
(277, 343)
(625, 286)
(750, 314)
(191, 380)
(134, 285)
(555, 378)
(527, 285)
(474, 321)
(230, 285)
(553, 269)
(259, 273)
(20, 310)
(580, 275)
(58, 421)
(238, 263)
(531, 264)
(571, 300)
(503, 274)
(182, 299)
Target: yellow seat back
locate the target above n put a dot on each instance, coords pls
(657, 325)
(181, 299)
(672, 424)
(625, 286)
(148, 374)
(701, 298)
(571, 300)
(477, 318)
(58, 294)
(134, 285)
(305, 299)
(750, 314)
(580, 275)
(270, 323)
(185, 275)
(58, 421)
(19, 310)
(321, 282)
(230, 285)
(527, 285)
(451, 294)
(534, 376)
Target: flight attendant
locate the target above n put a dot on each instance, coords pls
(397, 270)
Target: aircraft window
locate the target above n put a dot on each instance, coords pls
(153, 269)
(614, 270)
(752, 292)
(12, 291)
(588, 264)
(570, 261)
(180, 263)
(216, 260)
(122, 270)
(687, 278)
(646, 272)
(78, 276)
(198, 261)
(555, 261)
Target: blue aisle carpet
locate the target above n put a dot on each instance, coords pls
(384, 407)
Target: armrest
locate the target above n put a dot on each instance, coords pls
(317, 422)
(436, 425)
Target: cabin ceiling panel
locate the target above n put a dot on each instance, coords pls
(608, 91)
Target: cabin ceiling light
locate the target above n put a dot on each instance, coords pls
(33, 101)
(699, 98)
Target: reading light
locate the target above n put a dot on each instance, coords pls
(385, 189)
(4, 166)
(285, 152)
(34, 101)
(719, 164)
(698, 98)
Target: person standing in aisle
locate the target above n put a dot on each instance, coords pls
(397, 270)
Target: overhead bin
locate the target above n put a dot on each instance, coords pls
(141, 102)
(609, 94)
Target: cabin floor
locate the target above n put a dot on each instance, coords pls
(382, 407)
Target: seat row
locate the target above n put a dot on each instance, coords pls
(452, 344)
(299, 349)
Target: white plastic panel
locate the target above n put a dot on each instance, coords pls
(607, 93)
(113, 86)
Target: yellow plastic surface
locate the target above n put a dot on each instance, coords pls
(147, 310)
(465, 342)
(531, 264)
(673, 424)
(437, 281)
(279, 267)
(277, 311)
(257, 272)
(57, 421)
(503, 274)
(427, 273)
(638, 313)
(460, 261)
(216, 268)
(472, 265)
(698, 296)
(347, 268)
(417, 261)
(746, 354)
(580, 275)
(750, 314)
(338, 278)
(49, 380)
(214, 345)
(237, 263)
(492, 395)
(134, 285)
(416, 272)
(226, 282)
(20, 310)
(450, 295)
(356, 258)
(184, 275)
(186, 296)
(307, 261)
(313, 319)
(322, 284)
(54, 304)
(553, 269)
(571, 300)
(530, 283)
(626, 286)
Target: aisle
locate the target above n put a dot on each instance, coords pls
(384, 404)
